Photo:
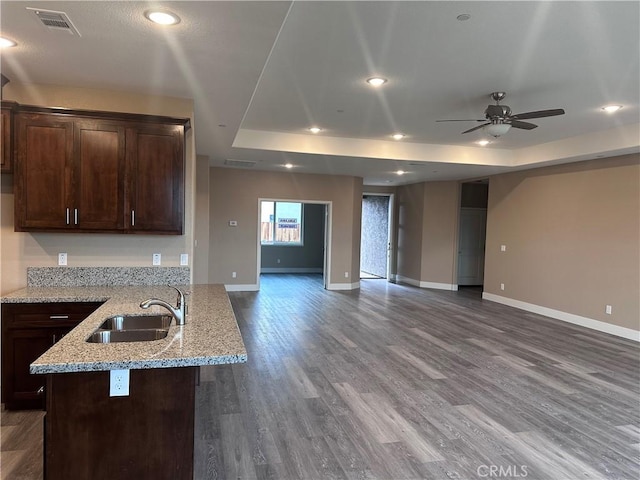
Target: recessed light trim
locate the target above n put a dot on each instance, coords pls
(376, 81)
(315, 129)
(398, 136)
(162, 17)
(611, 108)
(6, 43)
(288, 165)
(400, 172)
(463, 17)
(483, 143)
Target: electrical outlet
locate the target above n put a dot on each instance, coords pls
(233, 274)
(503, 248)
(184, 259)
(157, 259)
(278, 261)
(502, 286)
(62, 259)
(608, 310)
(119, 383)
(346, 274)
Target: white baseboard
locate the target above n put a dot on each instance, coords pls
(434, 285)
(343, 286)
(291, 270)
(242, 288)
(598, 325)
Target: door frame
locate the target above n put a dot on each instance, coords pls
(390, 229)
(327, 235)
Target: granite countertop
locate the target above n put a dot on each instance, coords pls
(209, 337)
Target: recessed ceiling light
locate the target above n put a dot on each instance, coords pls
(376, 81)
(484, 143)
(315, 129)
(463, 17)
(5, 43)
(612, 108)
(162, 17)
(398, 136)
(400, 172)
(288, 165)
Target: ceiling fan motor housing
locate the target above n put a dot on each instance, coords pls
(497, 111)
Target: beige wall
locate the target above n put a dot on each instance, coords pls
(20, 250)
(234, 196)
(572, 234)
(439, 232)
(410, 216)
(427, 230)
(201, 222)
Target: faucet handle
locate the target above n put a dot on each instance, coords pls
(180, 300)
(186, 305)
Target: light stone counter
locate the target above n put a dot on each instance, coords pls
(210, 336)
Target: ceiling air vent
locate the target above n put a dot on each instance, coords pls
(58, 21)
(240, 163)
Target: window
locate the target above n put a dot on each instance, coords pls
(280, 223)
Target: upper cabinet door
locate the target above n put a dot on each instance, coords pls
(99, 171)
(6, 138)
(43, 190)
(155, 162)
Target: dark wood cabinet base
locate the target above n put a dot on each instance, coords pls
(146, 435)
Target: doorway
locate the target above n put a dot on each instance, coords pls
(472, 233)
(294, 238)
(375, 236)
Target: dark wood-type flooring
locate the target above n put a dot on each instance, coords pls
(396, 382)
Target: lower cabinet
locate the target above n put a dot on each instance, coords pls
(29, 330)
(147, 435)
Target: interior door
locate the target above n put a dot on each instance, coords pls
(471, 243)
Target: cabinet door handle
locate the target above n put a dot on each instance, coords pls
(54, 338)
(75, 216)
(40, 390)
(58, 317)
(133, 218)
(67, 216)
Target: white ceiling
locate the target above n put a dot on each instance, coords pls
(269, 70)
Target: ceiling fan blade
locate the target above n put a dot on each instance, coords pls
(474, 120)
(522, 125)
(538, 114)
(476, 128)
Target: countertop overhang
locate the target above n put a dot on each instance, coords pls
(209, 337)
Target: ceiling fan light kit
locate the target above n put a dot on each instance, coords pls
(500, 120)
(497, 129)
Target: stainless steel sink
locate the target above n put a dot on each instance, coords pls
(132, 328)
(114, 336)
(137, 322)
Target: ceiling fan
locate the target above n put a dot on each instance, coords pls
(499, 119)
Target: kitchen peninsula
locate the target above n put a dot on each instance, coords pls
(149, 433)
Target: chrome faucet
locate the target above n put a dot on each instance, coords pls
(178, 312)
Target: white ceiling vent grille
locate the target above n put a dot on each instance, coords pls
(57, 21)
(240, 163)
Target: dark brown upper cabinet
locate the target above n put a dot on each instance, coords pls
(6, 137)
(156, 179)
(79, 171)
